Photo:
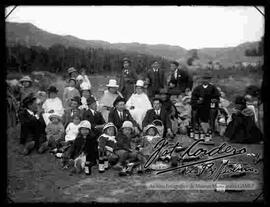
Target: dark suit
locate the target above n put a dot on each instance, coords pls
(157, 81)
(32, 129)
(202, 111)
(181, 82)
(116, 120)
(94, 120)
(163, 116)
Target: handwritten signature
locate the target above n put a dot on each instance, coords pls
(163, 148)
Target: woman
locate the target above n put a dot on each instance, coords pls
(52, 105)
(242, 128)
(70, 92)
(138, 104)
(109, 96)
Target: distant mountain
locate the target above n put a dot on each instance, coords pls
(28, 34)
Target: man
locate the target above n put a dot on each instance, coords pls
(179, 79)
(204, 102)
(93, 116)
(119, 114)
(155, 80)
(32, 126)
(127, 80)
(158, 113)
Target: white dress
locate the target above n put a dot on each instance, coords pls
(72, 131)
(86, 82)
(141, 105)
(52, 104)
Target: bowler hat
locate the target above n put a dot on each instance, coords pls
(175, 63)
(77, 99)
(52, 89)
(29, 99)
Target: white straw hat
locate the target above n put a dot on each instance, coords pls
(127, 124)
(85, 124)
(112, 83)
(140, 83)
(79, 77)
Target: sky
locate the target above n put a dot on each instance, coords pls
(186, 26)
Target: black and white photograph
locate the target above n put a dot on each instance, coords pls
(134, 104)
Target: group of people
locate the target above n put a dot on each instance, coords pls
(125, 124)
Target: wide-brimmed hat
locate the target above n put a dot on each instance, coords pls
(85, 124)
(91, 100)
(26, 79)
(175, 63)
(150, 126)
(71, 70)
(126, 59)
(112, 83)
(52, 89)
(139, 83)
(54, 115)
(163, 91)
(79, 77)
(72, 79)
(77, 99)
(119, 99)
(127, 124)
(206, 76)
(109, 124)
(28, 99)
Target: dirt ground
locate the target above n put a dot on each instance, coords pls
(39, 178)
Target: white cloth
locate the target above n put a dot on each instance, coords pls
(52, 104)
(72, 131)
(141, 105)
(84, 104)
(86, 82)
(32, 113)
(254, 111)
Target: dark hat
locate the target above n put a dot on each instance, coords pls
(71, 70)
(163, 91)
(72, 79)
(118, 99)
(175, 63)
(77, 99)
(52, 89)
(206, 76)
(126, 59)
(240, 100)
(91, 100)
(29, 99)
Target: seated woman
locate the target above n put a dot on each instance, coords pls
(109, 96)
(53, 104)
(138, 104)
(242, 128)
(73, 108)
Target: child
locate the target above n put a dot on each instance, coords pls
(84, 148)
(107, 142)
(70, 92)
(72, 129)
(55, 132)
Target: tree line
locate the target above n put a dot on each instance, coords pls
(57, 58)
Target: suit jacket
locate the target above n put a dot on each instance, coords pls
(181, 82)
(151, 116)
(115, 119)
(154, 86)
(32, 129)
(96, 119)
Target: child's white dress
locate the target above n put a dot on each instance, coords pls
(72, 131)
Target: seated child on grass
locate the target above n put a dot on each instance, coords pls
(54, 132)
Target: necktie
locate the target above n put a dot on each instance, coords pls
(121, 116)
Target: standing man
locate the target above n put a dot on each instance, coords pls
(179, 79)
(155, 79)
(128, 79)
(204, 103)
